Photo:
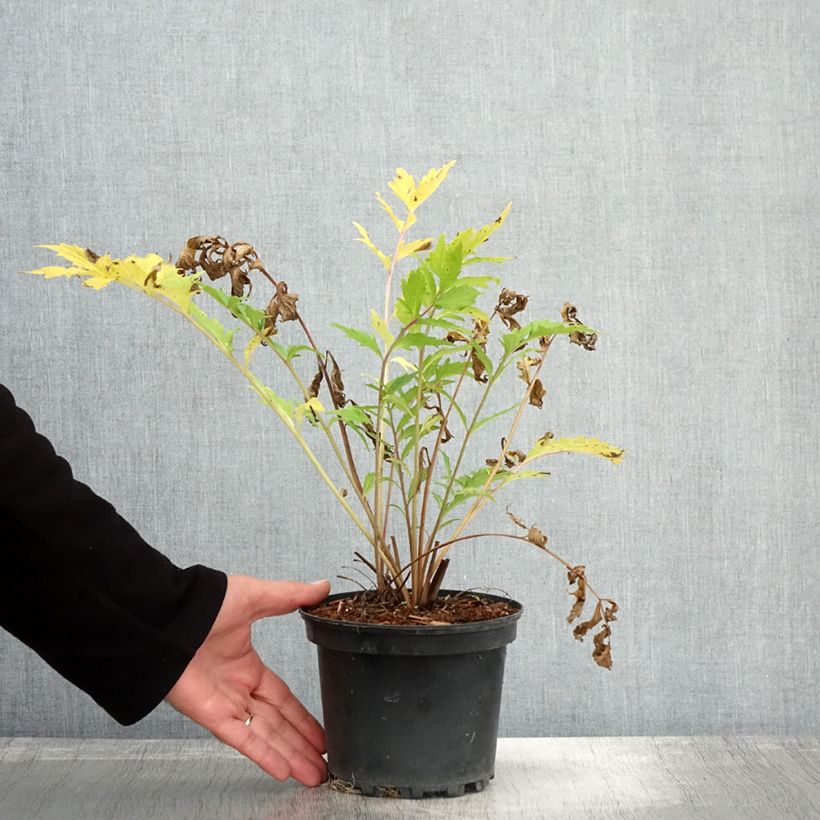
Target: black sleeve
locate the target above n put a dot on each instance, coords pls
(83, 590)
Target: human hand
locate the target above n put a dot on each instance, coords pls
(226, 681)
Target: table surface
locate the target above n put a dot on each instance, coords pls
(605, 777)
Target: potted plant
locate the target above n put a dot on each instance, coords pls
(411, 673)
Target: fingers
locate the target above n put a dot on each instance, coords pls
(306, 764)
(274, 691)
(268, 750)
(267, 598)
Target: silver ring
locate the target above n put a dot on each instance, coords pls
(248, 721)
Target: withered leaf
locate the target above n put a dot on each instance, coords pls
(481, 331)
(576, 576)
(537, 394)
(585, 626)
(570, 316)
(336, 385)
(510, 303)
(535, 536)
(455, 336)
(313, 389)
(524, 366)
(281, 307)
(517, 520)
(602, 653)
(609, 611)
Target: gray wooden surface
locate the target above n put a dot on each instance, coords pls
(630, 777)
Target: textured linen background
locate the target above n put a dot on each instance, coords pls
(663, 163)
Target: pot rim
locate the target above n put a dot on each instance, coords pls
(407, 629)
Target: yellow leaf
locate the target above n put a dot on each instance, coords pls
(408, 248)
(311, 404)
(250, 347)
(98, 282)
(471, 239)
(404, 187)
(409, 367)
(430, 181)
(365, 239)
(390, 212)
(591, 446)
(72, 253)
(380, 326)
(54, 271)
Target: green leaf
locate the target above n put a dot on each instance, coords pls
(287, 352)
(488, 419)
(410, 340)
(474, 260)
(445, 261)
(285, 406)
(252, 317)
(537, 329)
(457, 298)
(367, 340)
(369, 481)
(418, 290)
(213, 328)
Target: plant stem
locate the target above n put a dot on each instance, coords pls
(479, 502)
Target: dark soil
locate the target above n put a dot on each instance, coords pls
(460, 608)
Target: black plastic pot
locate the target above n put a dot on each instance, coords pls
(412, 711)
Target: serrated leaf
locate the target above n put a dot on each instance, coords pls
(475, 260)
(380, 326)
(488, 419)
(537, 329)
(409, 248)
(213, 328)
(470, 239)
(364, 339)
(393, 218)
(408, 367)
(411, 340)
(590, 446)
(365, 239)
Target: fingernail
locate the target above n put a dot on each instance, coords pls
(316, 583)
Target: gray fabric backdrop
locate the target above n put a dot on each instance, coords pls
(663, 163)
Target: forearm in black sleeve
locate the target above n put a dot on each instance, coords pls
(82, 588)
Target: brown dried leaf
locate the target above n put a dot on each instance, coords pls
(609, 612)
(481, 331)
(584, 627)
(524, 366)
(576, 576)
(537, 394)
(570, 316)
(313, 389)
(455, 336)
(281, 307)
(602, 654)
(517, 520)
(535, 536)
(510, 303)
(336, 385)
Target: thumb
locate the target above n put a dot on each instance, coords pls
(269, 598)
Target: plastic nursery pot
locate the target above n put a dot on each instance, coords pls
(411, 711)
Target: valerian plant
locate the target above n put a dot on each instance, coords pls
(403, 446)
